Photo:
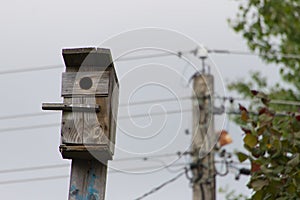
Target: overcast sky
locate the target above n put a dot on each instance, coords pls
(33, 34)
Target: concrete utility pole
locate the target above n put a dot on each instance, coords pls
(203, 138)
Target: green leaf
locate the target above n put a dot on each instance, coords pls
(295, 161)
(258, 184)
(244, 116)
(241, 156)
(258, 195)
(250, 140)
(278, 169)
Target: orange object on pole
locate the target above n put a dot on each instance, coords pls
(224, 138)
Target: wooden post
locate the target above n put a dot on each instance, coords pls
(89, 112)
(88, 180)
(203, 138)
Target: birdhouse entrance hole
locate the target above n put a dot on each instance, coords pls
(86, 83)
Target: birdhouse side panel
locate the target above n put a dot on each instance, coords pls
(114, 105)
(72, 124)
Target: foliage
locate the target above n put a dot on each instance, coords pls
(272, 29)
(273, 145)
(272, 140)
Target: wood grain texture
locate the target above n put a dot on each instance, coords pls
(72, 124)
(88, 180)
(103, 115)
(71, 86)
(114, 105)
(203, 137)
(93, 132)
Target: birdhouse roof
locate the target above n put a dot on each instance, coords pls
(87, 57)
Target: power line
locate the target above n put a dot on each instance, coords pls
(58, 124)
(28, 127)
(226, 51)
(145, 56)
(232, 112)
(164, 54)
(160, 186)
(153, 167)
(25, 115)
(33, 168)
(67, 176)
(272, 101)
(156, 101)
(42, 68)
(36, 114)
(153, 156)
(247, 53)
(178, 54)
(33, 179)
(275, 101)
(25, 169)
(148, 158)
(32, 69)
(155, 114)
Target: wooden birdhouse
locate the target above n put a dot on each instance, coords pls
(90, 91)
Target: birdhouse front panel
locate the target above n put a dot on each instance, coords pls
(93, 83)
(72, 123)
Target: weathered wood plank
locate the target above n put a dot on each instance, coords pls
(103, 115)
(94, 125)
(85, 83)
(86, 152)
(88, 180)
(72, 124)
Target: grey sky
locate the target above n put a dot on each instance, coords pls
(33, 34)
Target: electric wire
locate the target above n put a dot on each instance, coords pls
(22, 128)
(153, 156)
(111, 170)
(34, 168)
(155, 101)
(152, 167)
(33, 179)
(25, 115)
(160, 186)
(124, 171)
(144, 56)
(31, 69)
(273, 101)
(155, 114)
(178, 54)
(231, 112)
(164, 54)
(49, 67)
(247, 53)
